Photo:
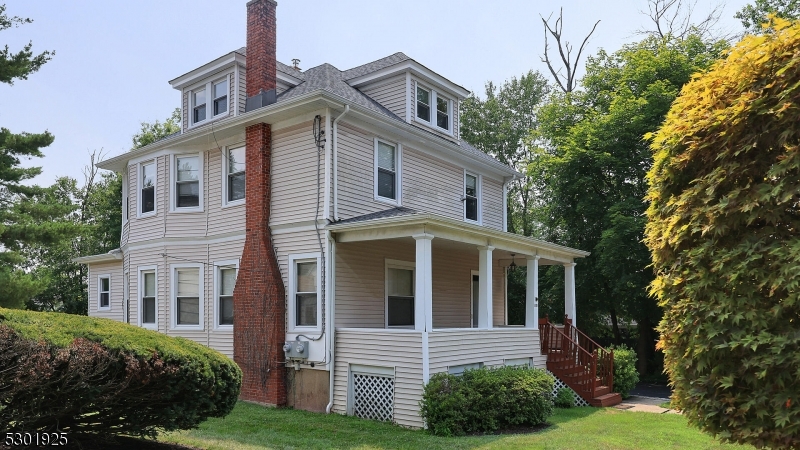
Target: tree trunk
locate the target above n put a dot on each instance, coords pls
(644, 346)
(615, 326)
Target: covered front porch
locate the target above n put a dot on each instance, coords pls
(422, 294)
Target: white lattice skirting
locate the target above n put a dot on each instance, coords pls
(579, 401)
(373, 397)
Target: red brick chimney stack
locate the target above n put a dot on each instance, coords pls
(259, 298)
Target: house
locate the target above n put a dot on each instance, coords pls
(329, 230)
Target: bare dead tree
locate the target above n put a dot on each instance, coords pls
(565, 82)
(675, 18)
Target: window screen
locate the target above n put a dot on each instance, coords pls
(188, 296)
(387, 171)
(227, 281)
(148, 187)
(149, 298)
(442, 113)
(199, 111)
(423, 104)
(105, 292)
(471, 197)
(220, 97)
(188, 184)
(400, 297)
(306, 294)
(236, 174)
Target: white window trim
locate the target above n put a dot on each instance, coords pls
(291, 312)
(219, 265)
(209, 88)
(173, 178)
(398, 155)
(140, 294)
(397, 264)
(225, 202)
(139, 172)
(99, 285)
(173, 283)
(434, 94)
(478, 193)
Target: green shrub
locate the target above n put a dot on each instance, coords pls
(565, 398)
(81, 374)
(724, 234)
(486, 400)
(625, 374)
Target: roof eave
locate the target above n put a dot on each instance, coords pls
(112, 256)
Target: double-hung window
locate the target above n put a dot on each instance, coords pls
(148, 187)
(387, 171)
(220, 97)
(305, 293)
(187, 305)
(442, 117)
(227, 281)
(187, 184)
(104, 292)
(399, 296)
(471, 197)
(147, 292)
(235, 177)
(199, 109)
(210, 100)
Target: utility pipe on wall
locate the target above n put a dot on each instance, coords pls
(331, 313)
(336, 163)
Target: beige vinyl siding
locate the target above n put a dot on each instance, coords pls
(116, 284)
(360, 282)
(185, 103)
(182, 223)
(401, 350)
(431, 185)
(360, 275)
(231, 93)
(242, 97)
(218, 339)
(227, 219)
(295, 243)
(356, 156)
(152, 226)
(492, 193)
(281, 87)
(447, 348)
(390, 93)
(456, 119)
(294, 175)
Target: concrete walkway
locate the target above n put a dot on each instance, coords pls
(645, 404)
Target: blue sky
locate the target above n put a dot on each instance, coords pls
(114, 58)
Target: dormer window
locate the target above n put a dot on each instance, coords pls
(199, 111)
(220, 97)
(443, 113)
(210, 100)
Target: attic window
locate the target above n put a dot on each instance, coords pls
(199, 102)
(220, 97)
(441, 118)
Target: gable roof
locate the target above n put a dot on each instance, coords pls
(374, 66)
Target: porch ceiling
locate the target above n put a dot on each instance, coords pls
(456, 235)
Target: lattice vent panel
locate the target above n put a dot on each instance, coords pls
(579, 401)
(373, 397)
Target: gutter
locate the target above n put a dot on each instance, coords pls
(336, 162)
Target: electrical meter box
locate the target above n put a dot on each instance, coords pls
(296, 349)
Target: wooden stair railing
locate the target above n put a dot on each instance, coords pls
(579, 362)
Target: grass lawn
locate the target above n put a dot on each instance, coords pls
(255, 427)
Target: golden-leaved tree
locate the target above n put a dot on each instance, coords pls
(724, 232)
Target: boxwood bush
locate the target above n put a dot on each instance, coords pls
(625, 374)
(87, 375)
(486, 400)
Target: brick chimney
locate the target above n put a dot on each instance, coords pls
(259, 298)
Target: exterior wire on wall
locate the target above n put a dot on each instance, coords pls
(319, 141)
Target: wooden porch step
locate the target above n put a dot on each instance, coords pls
(600, 391)
(611, 399)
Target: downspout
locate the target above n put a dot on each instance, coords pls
(327, 202)
(331, 314)
(336, 165)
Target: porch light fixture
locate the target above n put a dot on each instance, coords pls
(513, 265)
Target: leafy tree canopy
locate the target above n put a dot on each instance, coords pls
(590, 173)
(151, 132)
(724, 233)
(753, 16)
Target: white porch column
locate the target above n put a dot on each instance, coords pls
(569, 291)
(532, 293)
(423, 295)
(485, 287)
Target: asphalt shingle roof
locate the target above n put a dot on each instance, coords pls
(393, 212)
(374, 66)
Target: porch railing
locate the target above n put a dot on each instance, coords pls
(576, 359)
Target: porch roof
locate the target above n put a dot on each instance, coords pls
(405, 222)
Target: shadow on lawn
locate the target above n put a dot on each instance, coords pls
(254, 426)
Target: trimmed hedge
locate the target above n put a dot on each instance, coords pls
(82, 374)
(564, 398)
(486, 400)
(625, 374)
